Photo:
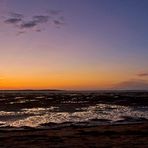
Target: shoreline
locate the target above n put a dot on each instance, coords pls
(127, 135)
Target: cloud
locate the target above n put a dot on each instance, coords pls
(16, 15)
(58, 22)
(13, 20)
(132, 85)
(41, 19)
(35, 22)
(29, 24)
(142, 74)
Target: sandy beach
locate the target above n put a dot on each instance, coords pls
(129, 135)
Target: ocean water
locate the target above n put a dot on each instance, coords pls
(51, 109)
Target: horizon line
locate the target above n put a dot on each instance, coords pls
(73, 89)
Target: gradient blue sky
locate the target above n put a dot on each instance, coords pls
(98, 44)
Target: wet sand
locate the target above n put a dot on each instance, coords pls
(129, 135)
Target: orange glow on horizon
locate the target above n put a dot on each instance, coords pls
(65, 81)
(72, 78)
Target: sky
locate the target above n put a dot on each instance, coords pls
(73, 44)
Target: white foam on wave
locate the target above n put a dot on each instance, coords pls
(99, 111)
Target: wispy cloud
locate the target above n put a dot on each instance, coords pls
(58, 22)
(13, 20)
(41, 18)
(36, 20)
(136, 84)
(16, 15)
(29, 24)
(23, 24)
(142, 74)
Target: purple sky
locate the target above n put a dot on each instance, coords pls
(73, 44)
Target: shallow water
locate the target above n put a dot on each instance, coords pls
(40, 110)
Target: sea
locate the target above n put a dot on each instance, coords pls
(45, 109)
